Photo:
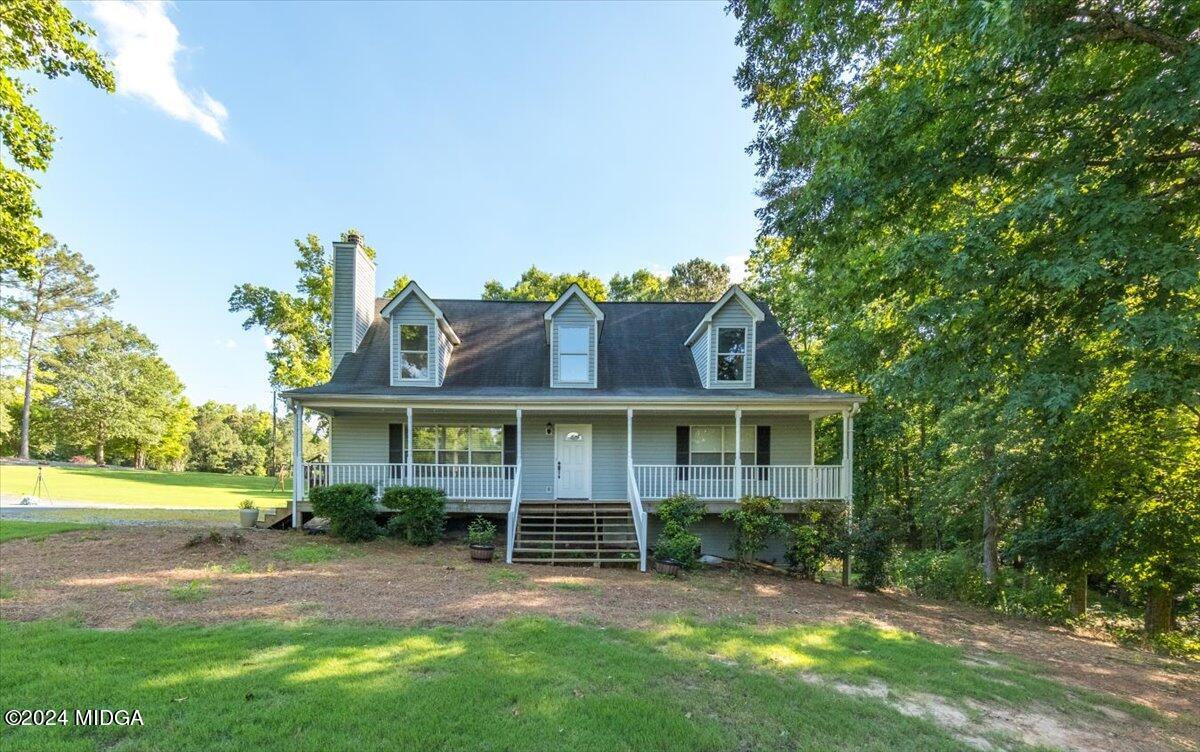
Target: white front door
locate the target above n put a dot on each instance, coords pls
(573, 461)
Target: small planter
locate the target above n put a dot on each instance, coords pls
(248, 517)
(482, 553)
(669, 567)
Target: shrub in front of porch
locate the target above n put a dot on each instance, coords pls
(420, 515)
(350, 508)
(676, 541)
(755, 519)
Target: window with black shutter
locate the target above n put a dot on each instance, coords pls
(683, 449)
(396, 448)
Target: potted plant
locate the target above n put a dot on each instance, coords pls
(247, 513)
(481, 534)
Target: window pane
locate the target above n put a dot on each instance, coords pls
(731, 340)
(425, 437)
(414, 365)
(485, 458)
(706, 439)
(706, 458)
(487, 437)
(730, 367)
(414, 337)
(424, 456)
(747, 458)
(454, 458)
(749, 437)
(574, 339)
(572, 368)
(455, 437)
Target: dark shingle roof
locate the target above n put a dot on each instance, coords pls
(504, 354)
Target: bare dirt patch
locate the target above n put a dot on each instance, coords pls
(120, 576)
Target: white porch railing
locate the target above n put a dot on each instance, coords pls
(484, 482)
(717, 482)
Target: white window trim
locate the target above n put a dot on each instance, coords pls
(591, 331)
(430, 364)
(470, 450)
(753, 428)
(717, 355)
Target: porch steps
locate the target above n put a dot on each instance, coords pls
(575, 532)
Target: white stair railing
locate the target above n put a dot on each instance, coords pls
(640, 519)
(514, 510)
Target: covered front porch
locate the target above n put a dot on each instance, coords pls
(495, 460)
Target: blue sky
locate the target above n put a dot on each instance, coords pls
(465, 141)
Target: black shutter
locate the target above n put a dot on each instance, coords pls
(396, 447)
(683, 439)
(763, 441)
(509, 456)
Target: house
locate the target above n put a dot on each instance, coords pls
(572, 419)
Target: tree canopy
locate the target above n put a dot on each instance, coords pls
(989, 216)
(39, 37)
(300, 324)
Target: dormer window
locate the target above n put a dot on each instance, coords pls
(414, 352)
(731, 353)
(574, 344)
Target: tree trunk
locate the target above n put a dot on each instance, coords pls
(27, 404)
(990, 556)
(1079, 593)
(1160, 607)
(139, 457)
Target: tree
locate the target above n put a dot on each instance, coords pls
(536, 284)
(698, 280)
(53, 303)
(991, 210)
(300, 325)
(640, 287)
(695, 280)
(170, 451)
(40, 36)
(112, 386)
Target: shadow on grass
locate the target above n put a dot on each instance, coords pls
(524, 684)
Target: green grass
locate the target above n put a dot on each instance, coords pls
(525, 684)
(14, 529)
(193, 592)
(500, 575)
(314, 553)
(143, 487)
(577, 587)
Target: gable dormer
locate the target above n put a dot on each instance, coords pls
(422, 340)
(573, 330)
(723, 343)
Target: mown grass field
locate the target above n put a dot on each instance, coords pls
(523, 684)
(146, 488)
(14, 529)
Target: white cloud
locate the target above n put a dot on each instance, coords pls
(144, 44)
(737, 267)
(226, 343)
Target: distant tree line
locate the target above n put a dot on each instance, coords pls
(78, 383)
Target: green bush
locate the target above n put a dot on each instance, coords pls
(872, 545)
(683, 510)
(420, 514)
(350, 508)
(956, 575)
(481, 532)
(755, 519)
(810, 541)
(674, 542)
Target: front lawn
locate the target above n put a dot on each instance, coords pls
(149, 488)
(523, 684)
(15, 529)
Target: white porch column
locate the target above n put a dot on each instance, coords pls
(629, 437)
(848, 464)
(297, 461)
(408, 434)
(737, 452)
(518, 437)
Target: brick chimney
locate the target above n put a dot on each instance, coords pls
(353, 296)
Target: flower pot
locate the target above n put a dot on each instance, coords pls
(482, 553)
(668, 567)
(248, 517)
